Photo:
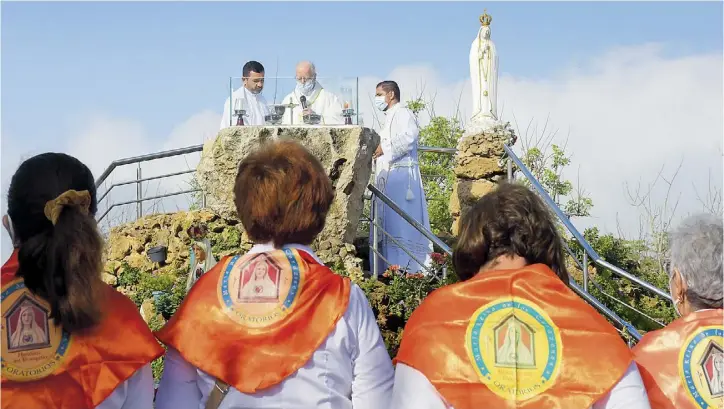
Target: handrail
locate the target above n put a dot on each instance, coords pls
(145, 158)
(576, 234)
(130, 182)
(445, 248)
(433, 149)
(414, 223)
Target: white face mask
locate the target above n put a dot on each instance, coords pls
(306, 88)
(380, 102)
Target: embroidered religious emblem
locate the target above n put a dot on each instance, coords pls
(701, 367)
(33, 346)
(515, 348)
(259, 289)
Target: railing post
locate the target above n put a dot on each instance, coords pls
(510, 169)
(203, 199)
(375, 241)
(375, 232)
(139, 193)
(585, 271)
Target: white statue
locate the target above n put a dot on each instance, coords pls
(484, 77)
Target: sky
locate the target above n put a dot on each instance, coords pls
(631, 87)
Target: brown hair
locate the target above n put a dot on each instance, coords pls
(513, 221)
(59, 262)
(282, 194)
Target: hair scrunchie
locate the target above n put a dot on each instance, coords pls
(73, 198)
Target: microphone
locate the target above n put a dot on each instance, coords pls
(303, 101)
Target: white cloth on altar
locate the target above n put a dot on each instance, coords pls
(134, 393)
(254, 104)
(320, 101)
(397, 175)
(414, 391)
(350, 370)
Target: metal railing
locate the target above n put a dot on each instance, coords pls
(137, 160)
(588, 250)
(593, 301)
(510, 157)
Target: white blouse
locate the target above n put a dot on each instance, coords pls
(134, 393)
(350, 370)
(414, 391)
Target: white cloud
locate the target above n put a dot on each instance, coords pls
(625, 114)
(102, 139)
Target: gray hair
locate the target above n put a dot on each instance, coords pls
(312, 68)
(696, 252)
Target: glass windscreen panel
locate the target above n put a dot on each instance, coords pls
(284, 101)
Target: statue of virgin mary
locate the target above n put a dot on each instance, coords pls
(484, 76)
(201, 260)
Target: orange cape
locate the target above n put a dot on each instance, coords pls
(251, 344)
(76, 371)
(663, 361)
(514, 339)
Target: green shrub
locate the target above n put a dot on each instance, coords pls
(396, 294)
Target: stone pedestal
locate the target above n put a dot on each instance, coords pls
(478, 167)
(344, 151)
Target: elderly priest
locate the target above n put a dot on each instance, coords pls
(310, 98)
(247, 98)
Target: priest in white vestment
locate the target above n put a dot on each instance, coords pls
(397, 175)
(248, 98)
(318, 100)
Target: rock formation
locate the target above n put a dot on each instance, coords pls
(345, 152)
(478, 168)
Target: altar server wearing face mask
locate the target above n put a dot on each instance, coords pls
(397, 174)
(249, 98)
(318, 100)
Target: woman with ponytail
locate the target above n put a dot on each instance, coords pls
(69, 341)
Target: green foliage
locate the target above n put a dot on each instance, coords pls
(226, 242)
(437, 170)
(548, 170)
(416, 105)
(155, 324)
(396, 294)
(144, 284)
(167, 302)
(630, 255)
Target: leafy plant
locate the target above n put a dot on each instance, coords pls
(396, 294)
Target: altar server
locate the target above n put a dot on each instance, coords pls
(317, 100)
(512, 334)
(275, 327)
(69, 339)
(247, 97)
(397, 175)
(691, 346)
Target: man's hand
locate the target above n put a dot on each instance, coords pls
(307, 111)
(378, 152)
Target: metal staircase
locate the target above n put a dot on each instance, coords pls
(589, 256)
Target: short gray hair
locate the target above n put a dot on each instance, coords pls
(696, 252)
(311, 65)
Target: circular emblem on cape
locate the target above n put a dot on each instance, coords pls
(515, 348)
(258, 290)
(701, 366)
(32, 346)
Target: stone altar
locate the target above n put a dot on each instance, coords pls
(344, 151)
